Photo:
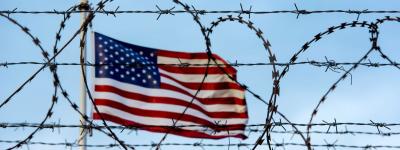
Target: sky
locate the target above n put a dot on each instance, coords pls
(372, 94)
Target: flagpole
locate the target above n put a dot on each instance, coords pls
(82, 133)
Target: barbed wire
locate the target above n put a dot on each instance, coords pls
(329, 64)
(249, 127)
(171, 11)
(56, 82)
(153, 145)
(272, 107)
(274, 124)
(373, 30)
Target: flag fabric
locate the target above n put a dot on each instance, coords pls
(140, 87)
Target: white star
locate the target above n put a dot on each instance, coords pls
(132, 60)
(141, 52)
(133, 78)
(144, 71)
(101, 71)
(116, 53)
(122, 66)
(127, 55)
(100, 46)
(111, 47)
(133, 69)
(105, 42)
(111, 72)
(100, 38)
(144, 81)
(122, 58)
(138, 75)
(127, 72)
(116, 70)
(106, 50)
(122, 76)
(111, 56)
(116, 45)
(149, 76)
(105, 58)
(154, 81)
(151, 54)
(100, 54)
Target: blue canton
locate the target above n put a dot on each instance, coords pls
(126, 62)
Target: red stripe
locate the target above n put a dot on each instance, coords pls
(166, 100)
(199, 70)
(155, 113)
(206, 86)
(176, 131)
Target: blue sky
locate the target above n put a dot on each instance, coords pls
(373, 94)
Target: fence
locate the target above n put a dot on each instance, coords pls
(238, 16)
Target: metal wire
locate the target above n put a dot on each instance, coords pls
(153, 145)
(266, 129)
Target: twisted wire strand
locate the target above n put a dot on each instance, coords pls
(153, 145)
(329, 64)
(201, 11)
(249, 127)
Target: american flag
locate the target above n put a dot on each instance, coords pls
(135, 86)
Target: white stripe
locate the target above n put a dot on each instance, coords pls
(175, 60)
(153, 92)
(206, 93)
(193, 78)
(158, 121)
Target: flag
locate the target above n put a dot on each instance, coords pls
(141, 87)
